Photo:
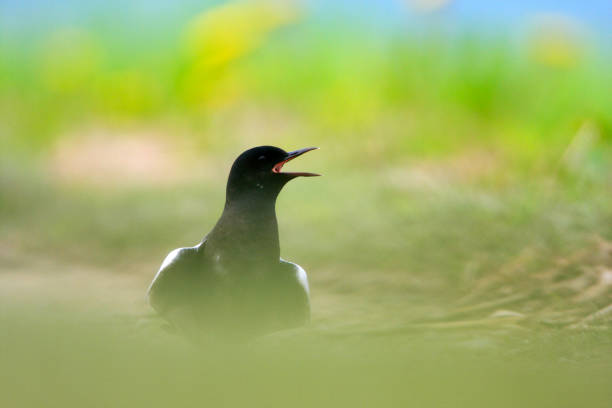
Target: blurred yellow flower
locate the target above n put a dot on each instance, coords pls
(229, 31)
(221, 35)
(555, 41)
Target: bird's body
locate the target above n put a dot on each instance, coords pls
(234, 282)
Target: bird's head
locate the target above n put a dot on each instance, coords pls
(258, 171)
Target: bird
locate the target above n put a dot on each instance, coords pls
(234, 284)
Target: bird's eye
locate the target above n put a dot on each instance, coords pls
(261, 158)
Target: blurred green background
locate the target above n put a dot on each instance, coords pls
(459, 247)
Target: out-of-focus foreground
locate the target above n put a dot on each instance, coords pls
(459, 246)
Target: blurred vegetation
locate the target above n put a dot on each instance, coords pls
(458, 246)
(346, 80)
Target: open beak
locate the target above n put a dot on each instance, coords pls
(290, 156)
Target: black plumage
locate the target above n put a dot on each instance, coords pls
(234, 282)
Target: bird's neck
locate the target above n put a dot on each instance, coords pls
(247, 232)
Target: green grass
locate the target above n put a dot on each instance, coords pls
(396, 262)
